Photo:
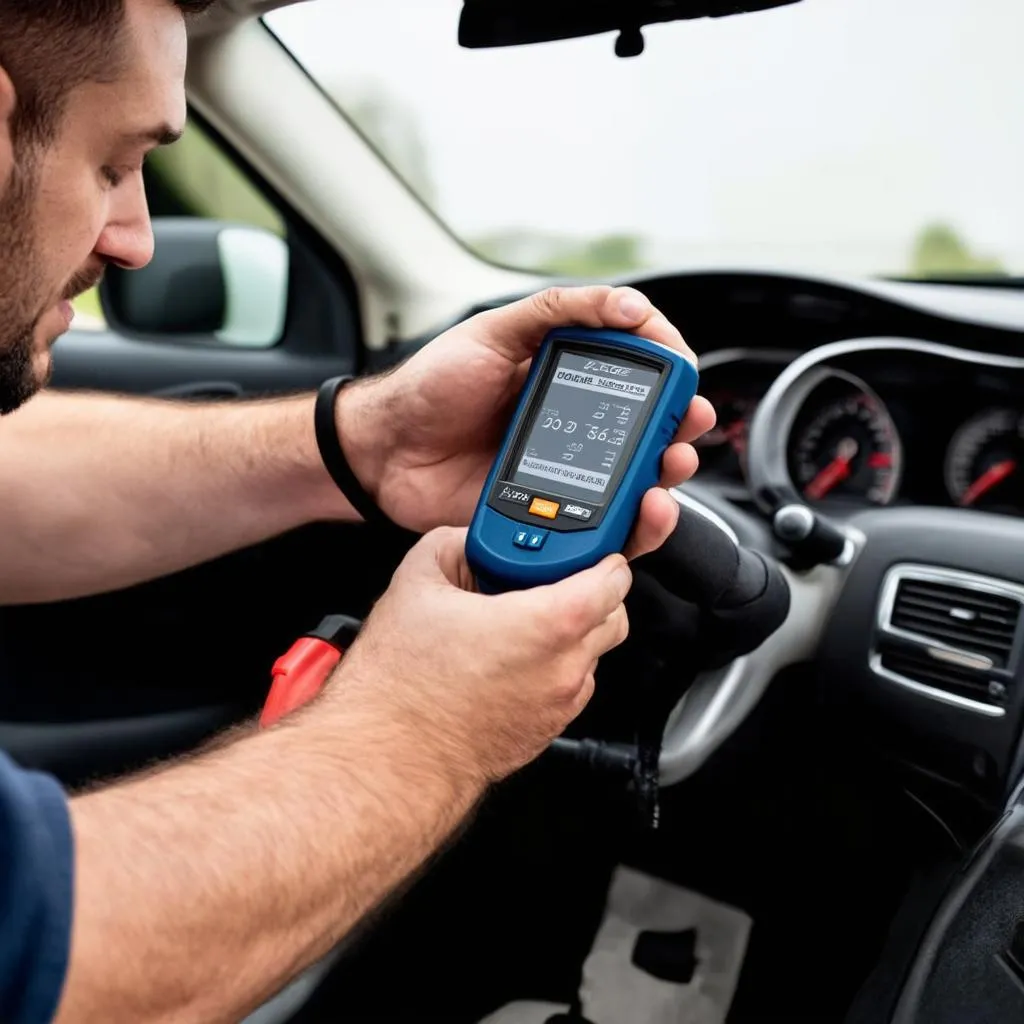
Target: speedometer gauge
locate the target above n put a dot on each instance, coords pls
(985, 462)
(848, 448)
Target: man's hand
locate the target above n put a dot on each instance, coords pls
(202, 887)
(484, 682)
(422, 439)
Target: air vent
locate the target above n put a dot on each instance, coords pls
(916, 664)
(950, 636)
(963, 618)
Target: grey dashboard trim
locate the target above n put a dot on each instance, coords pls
(852, 346)
(726, 356)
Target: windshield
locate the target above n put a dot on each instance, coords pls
(881, 137)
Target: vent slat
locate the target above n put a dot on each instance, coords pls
(995, 629)
(925, 605)
(955, 637)
(951, 635)
(922, 669)
(966, 619)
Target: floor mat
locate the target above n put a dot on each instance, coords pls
(663, 955)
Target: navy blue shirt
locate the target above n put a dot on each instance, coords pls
(36, 857)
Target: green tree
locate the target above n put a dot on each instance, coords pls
(609, 254)
(563, 255)
(939, 251)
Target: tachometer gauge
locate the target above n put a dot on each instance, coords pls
(985, 462)
(848, 448)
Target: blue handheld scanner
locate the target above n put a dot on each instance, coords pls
(597, 412)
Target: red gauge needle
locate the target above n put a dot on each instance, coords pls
(835, 472)
(993, 475)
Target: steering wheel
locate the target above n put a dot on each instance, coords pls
(776, 620)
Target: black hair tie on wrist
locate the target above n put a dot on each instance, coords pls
(333, 454)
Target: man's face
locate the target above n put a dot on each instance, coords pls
(71, 207)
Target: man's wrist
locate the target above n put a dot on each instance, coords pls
(362, 432)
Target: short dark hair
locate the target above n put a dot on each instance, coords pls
(50, 46)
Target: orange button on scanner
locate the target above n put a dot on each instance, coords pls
(542, 507)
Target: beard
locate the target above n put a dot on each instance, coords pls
(17, 374)
(19, 276)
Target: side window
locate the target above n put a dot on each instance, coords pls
(193, 182)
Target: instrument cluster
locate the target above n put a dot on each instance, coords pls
(877, 434)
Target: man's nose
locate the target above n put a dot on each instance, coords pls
(127, 239)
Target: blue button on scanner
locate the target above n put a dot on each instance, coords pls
(536, 540)
(520, 538)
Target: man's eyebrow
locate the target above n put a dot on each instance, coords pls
(162, 135)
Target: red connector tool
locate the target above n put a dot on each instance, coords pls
(300, 674)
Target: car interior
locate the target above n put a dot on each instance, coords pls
(848, 781)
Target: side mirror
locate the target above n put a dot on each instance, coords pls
(209, 281)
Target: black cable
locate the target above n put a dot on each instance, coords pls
(615, 757)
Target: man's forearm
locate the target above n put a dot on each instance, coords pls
(101, 492)
(201, 890)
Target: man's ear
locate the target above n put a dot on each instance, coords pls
(8, 100)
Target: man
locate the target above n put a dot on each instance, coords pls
(196, 891)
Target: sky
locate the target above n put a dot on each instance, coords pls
(822, 136)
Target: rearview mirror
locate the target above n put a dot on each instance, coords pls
(209, 281)
(487, 23)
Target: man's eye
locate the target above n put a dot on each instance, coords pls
(112, 175)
